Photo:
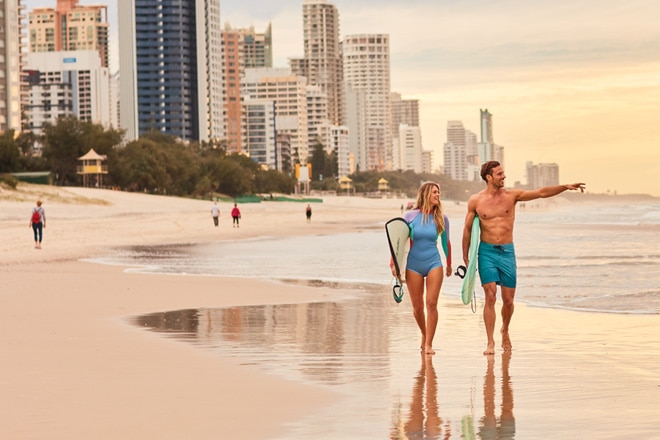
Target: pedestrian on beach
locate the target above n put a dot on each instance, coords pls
(235, 215)
(308, 213)
(427, 223)
(496, 206)
(38, 223)
(215, 213)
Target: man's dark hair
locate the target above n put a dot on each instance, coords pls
(487, 168)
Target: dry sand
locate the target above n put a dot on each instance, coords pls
(72, 367)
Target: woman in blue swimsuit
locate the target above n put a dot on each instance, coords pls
(427, 222)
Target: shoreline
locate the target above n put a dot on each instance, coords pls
(77, 368)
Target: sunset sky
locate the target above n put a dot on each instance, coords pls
(573, 82)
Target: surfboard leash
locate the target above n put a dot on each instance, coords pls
(397, 291)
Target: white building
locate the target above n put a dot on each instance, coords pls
(322, 64)
(259, 132)
(10, 66)
(71, 83)
(408, 149)
(317, 117)
(289, 93)
(367, 76)
(340, 144)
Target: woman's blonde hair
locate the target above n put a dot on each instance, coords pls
(427, 208)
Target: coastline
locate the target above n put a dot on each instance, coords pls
(75, 368)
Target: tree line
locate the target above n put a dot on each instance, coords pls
(160, 164)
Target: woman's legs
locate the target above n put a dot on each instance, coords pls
(425, 311)
(37, 228)
(433, 285)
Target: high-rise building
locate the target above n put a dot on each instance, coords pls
(322, 63)
(404, 111)
(455, 155)
(543, 174)
(257, 48)
(317, 117)
(70, 26)
(259, 133)
(410, 149)
(10, 66)
(241, 49)
(488, 149)
(289, 93)
(71, 83)
(367, 77)
(171, 68)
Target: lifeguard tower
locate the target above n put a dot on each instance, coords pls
(383, 185)
(92, 168)
(346, 184)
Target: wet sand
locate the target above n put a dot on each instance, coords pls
(90, 351)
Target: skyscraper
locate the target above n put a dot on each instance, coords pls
(70, 26)
(289, 94)
(10, 60)
(241, 49)
(171, 68)
(367, 75)
(322, 64)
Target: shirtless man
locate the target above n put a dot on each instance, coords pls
(496, 209)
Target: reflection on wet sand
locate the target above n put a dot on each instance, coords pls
(490, 427)
(359, 348)
(424, 421)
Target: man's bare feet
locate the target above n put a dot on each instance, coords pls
(490, 349)
(506, 342)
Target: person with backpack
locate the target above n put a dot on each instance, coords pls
(38, 223)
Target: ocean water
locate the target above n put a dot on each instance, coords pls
(603, 258)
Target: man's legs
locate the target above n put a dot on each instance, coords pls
(508, 294)
(490, 291)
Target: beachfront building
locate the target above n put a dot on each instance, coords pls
(317, 118)
(367, 77)
(455, 157)
(404, 111)
(487, 149)
(241, 49)
(259, 132)
(340, 146)
(10, 66)
(408, 149)
(70, 27)
(69, 83)
(322, 62)
(542, 174)
(289, 93)
(171, 69)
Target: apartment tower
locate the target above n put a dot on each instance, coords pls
(70, 26)
(241, 49)
(367, 76)
(10, 66)
(171, 68)
(322, 63)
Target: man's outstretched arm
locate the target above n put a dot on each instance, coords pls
(548, 191)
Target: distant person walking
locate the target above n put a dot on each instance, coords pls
(308, 213)
(496, 208)
(215, 213)
(235, 215)
(38, 223)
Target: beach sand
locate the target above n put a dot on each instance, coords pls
(74, 365)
